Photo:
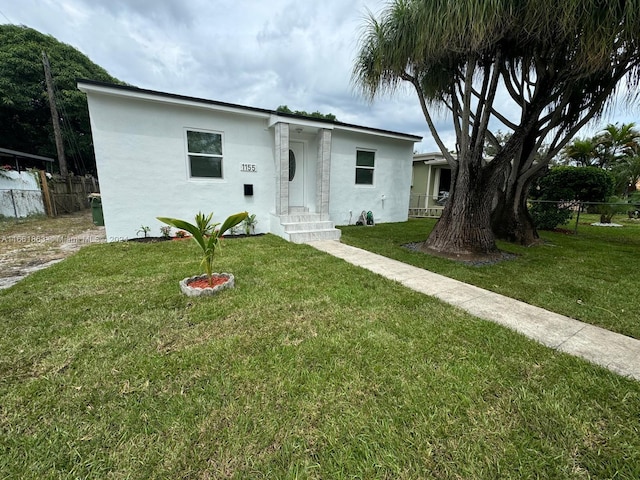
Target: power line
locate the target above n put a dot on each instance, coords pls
(2, 13)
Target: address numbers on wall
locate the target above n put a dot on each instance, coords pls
(248, 167)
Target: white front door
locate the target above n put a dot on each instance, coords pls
(296, 174)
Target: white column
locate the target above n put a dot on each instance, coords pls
(323, 172)
(282, 168)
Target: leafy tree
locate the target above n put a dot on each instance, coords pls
(25, 118)
(558, 62)
(562, 187)
(316, 114)
(627, 174)
(616, 148)
(566, 183)
(581, 152)
(616, 143)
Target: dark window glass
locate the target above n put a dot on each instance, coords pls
(292, 165)
(205, 166)
(364, 176)
(365, 159)
(204, 142)
(365, 162)
(205, 154)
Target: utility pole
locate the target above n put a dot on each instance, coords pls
(62, 161)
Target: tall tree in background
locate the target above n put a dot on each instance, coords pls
(616, 149)
(581, 152)
(25, 119)
(557, 62)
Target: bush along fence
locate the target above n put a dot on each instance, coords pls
(33, 192)
(552, 214)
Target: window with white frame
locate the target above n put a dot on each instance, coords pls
(205, 154)
(365, 163)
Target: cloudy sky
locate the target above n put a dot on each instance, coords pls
(261, 53)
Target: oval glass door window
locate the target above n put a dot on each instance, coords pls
(292, 165)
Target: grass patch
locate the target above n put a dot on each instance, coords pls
(309, 368)
(591, 276)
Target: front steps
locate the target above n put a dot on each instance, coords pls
(300, 226)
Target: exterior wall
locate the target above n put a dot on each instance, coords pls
(20, 194)
(388, 197)
(142, 163)
(420, 175)
(425, 187)
(420, 178)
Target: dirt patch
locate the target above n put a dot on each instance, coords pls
(28, 245)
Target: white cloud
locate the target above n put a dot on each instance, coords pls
(263, 54)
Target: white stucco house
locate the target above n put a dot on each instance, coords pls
(161, 154)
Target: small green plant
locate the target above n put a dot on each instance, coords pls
(614, 205)
(143, 230)
(165, 231)
(249, 224)
(206, 235)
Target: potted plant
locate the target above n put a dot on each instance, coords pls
(207, 236)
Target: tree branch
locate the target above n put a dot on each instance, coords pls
(425, 110)
(491, 95)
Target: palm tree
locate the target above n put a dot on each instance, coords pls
(626, 172)
(559, 63)
(616, 143)
(581, 152)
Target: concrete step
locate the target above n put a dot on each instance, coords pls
(303, 217)
(307, 226)
(296, 210)
(314, 235)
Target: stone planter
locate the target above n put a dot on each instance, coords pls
(221, 281)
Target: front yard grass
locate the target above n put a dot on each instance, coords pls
(592, 276)
(309, 368)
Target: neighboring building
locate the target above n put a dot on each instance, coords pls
(160, 154)
(430, 184)
(20, 192)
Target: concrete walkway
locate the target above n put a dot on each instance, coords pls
(618, 353)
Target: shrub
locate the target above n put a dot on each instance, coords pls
(547, 216)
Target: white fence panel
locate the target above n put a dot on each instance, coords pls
(20, 194)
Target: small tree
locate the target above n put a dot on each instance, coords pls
(206, 234)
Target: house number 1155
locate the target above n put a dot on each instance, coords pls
(248, 167)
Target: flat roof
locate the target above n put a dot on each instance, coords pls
(5, 152)
(173, 96)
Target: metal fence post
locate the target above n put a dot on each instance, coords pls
(13, 202)
(575, 231)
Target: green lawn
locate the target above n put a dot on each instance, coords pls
(309, 368)
(593, 276)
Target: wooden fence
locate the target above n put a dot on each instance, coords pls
(67, 195)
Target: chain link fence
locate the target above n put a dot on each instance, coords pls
(551, 214)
